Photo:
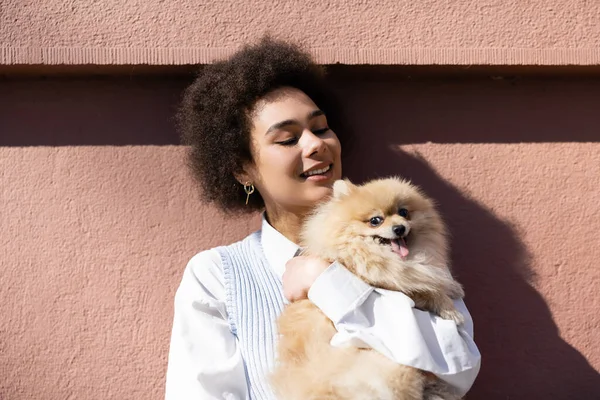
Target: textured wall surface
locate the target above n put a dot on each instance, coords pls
(465, 32)
(98, 218)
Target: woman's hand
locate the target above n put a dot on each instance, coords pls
(300, 273)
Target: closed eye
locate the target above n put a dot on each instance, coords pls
(289, 142)
(321, 131)
(294, 140)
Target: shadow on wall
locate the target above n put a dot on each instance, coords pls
(89, 111)
(82, 112)
(523, 354)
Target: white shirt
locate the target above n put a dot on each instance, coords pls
(205, 361)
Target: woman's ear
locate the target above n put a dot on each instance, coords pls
(245, 175)
(242, 178)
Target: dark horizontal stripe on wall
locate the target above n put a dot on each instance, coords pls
(384, 104)
(73, 112)
(485, 109)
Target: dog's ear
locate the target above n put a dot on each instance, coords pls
(342, 187)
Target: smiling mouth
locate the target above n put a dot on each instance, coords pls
(399, 245)
(320, 171)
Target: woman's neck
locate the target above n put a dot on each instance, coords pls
(289, 224)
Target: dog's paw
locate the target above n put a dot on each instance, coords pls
(453, 315)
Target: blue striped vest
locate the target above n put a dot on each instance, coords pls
(255, 299)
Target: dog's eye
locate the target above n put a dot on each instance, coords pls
(375, 221)
(403, 212)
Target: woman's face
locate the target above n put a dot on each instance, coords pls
(296, 156)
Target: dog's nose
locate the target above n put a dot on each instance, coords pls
(399, 229)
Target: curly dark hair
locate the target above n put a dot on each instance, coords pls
(214, 117)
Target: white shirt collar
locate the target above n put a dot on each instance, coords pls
(277, 248)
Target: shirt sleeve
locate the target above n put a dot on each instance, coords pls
(204, 357)
(389, 323)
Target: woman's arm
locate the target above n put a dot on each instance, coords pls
(204, 357)
(388, 322)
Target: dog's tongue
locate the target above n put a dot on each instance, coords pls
(399, 247)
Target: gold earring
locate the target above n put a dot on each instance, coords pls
(249, 189)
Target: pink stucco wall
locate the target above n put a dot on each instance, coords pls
(466, 32)
(99, 218)
(98, 215)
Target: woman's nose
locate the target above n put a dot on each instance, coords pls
(313, 144)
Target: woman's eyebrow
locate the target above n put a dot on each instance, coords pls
(282, 124)
(315, 114)
(288, 122)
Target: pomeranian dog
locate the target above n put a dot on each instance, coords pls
(388, 233)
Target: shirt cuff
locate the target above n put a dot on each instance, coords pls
(338, 291)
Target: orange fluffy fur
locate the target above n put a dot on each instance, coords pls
(308, 367)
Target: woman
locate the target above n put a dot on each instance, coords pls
(259, 126)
